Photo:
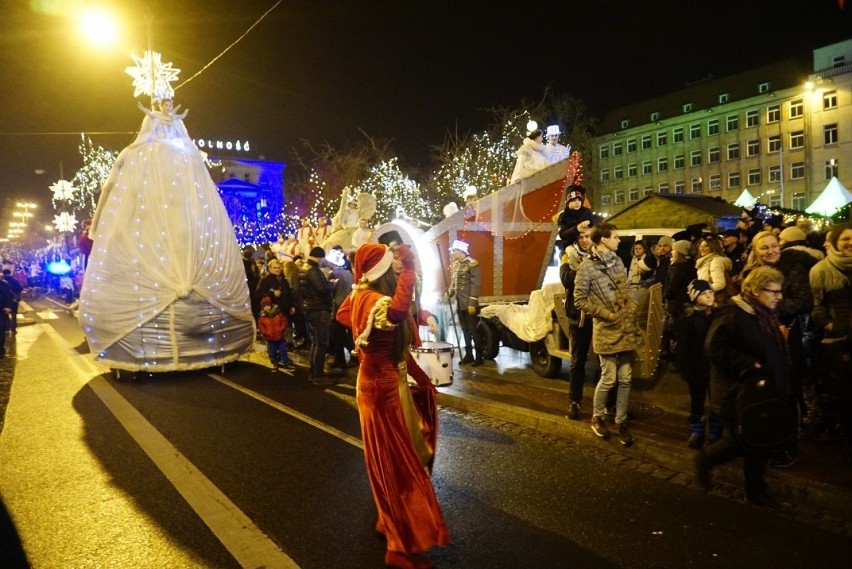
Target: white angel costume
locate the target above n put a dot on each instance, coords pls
(165, 288)
(531, 159)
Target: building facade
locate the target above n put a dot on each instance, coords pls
(780, 131)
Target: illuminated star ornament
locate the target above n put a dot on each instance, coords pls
(63, 190)
(64, 222)
(152, 77)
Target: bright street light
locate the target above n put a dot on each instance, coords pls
(99, 27)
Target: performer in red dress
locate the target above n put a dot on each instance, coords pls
(399, 428)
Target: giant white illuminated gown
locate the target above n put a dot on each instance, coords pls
(165, 288)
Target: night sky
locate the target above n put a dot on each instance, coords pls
(406, 71)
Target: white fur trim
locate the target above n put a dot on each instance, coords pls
(379, 268)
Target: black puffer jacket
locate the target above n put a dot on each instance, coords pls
(316, 291)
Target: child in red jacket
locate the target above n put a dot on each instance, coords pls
(272, 324)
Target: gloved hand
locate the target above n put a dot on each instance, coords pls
(405, 256)
(471, 310)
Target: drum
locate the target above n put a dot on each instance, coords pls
(436, 360)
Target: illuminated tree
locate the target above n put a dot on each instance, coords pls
(393, 189)
(97, 163)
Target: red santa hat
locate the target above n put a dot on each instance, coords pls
(372, 260)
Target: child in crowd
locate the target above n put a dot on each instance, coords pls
(575, 218)
(272, 325)
(693, 363)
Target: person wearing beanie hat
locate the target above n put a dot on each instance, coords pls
(693, 364)
(531, 156)
(464, 295)
(734, 250)
(575, 218)
(680, 273)
(663, 252)
(791, 235)
(316, 293)
(398, 458)
(272, 326)
(683, 248)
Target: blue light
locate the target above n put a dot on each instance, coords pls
(58, 267)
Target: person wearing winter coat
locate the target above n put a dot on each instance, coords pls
(575, 218)
(746, 344)
(798, 302)
(580, 325)
(681, 272)
(831, 284)
(272, 326)
(713, 266)
(600, 290)
(642, 266)
(531, 157)
(276, 288)
(693, 363)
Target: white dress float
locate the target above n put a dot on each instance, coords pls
(165, 288)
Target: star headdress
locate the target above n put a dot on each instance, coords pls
(152, 77)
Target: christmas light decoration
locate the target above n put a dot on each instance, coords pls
(64, 222)
(393, 189)
(152, 77)
(63, 191)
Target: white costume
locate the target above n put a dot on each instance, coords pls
(531, 159)
(165, 288)
(556, 152)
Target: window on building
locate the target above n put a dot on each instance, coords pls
(838, 61)
(647, 191)
(625, 123)
(664, 188)
(619, 196)
(753, 147)
(773, 113)
(829, 134)
(618, 172)
(679, 162)
(733, 179)
(724, 98)
(773, 143)
(631, 145)
(687, 108)
(694, 131)
(830, 169)
(774, 200)
(655, 117)
(631, 170)
(646, 142)
(697, 185)
(662, 138)
(798, 201)
(797, 108)
(797, 170)
(633, 194)
(695, 158)
(773, 174)
(713, 127)
(715, 182)
(714, 155)
(734, 151)
(603, 152)
(797, 139)
(605, 200)
(677, 135)
(662, 164)
(754, 176)
(605, 175)
(732, 122)
(829, 100)
(763, 88)
(617, 149)
(680, 187)
(646, 167)
(752, 119)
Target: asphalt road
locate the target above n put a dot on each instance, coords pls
(284, 456)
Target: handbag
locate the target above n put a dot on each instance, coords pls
(764, 418)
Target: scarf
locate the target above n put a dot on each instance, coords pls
(842, 264)
(768, 321)
(605, 258)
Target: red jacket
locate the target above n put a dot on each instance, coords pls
(272, 326)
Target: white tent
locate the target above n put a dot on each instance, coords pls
(832, 198)
(745, 199)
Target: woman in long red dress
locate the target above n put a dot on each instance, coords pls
(399, 430)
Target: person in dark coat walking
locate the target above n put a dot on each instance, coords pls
(317, 301)
(746, 344)
(5, 310)
(16, 289)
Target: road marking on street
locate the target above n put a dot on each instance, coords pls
(240, 536)
(354, 441)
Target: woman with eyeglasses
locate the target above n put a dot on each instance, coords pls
(831, 283)
(745, 344)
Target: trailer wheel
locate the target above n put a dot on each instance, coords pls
(489, 338)
(542, 362)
